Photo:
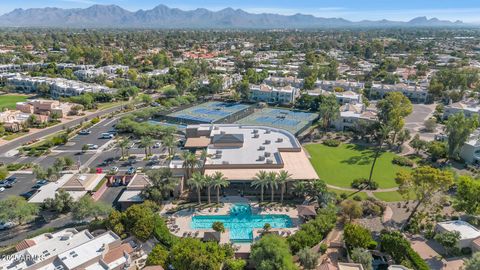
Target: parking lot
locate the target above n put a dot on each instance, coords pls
(76, 143)
(24, 183)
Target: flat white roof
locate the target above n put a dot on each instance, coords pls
(466, 230)
(49, 190)
(131, 196)
(89, 250)
(257, 141)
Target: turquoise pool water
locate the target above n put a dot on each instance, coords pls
(240, 222)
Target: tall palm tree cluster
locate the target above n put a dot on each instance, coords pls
(216, 181)
(273, 180)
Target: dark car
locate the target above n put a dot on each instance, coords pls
(12, 180)
(5, 184)
(28, 194)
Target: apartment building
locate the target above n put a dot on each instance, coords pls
(110, 72)
(468, 107)
(284, 81)
(352, 113)
(58, 87)
(45, 107)
(417, 94)
(342, 97)
(345, 85)
(270, 94)
(70, 249)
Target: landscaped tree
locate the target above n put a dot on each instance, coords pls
(158, 256)
(61, 203)
(424, 182)
(392, 110)
(162, 182)
(351, 209)
(458, 128)
(271, 252)
(190, 253)
(86, 208)
(273, 183)
(208, 184)
(261, 180)
(147, 142)
(356, 236)
(473, 263)
(198, 182)
(314, 190)
(449, 240)
(436, 150)
(417, 144)
(218, 226)
(190, 161)
(283, 178)
(308, 258)
(3, 172)
(124, 144)
(16, 208)
(139, 220)
(219, 181)
(169, 142)
(329, 110)
(363, 257)
(467, 197)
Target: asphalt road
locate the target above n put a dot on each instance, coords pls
(47, 131)
(24, 184)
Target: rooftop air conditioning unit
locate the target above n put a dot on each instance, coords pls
(261, 148)
(279, 140)
(267, 131)
(222, 132)
(261, 158)
(255, 131)
(216, 128)
(225, 162)
(269, 161)
(267, 141)
(255, 136)
(218, 152)
(267, 154)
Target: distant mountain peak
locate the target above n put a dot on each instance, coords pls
(162, 16)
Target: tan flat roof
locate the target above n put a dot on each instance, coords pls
(198, 142)
(296, 163)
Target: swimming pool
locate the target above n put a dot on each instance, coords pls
(240, 222)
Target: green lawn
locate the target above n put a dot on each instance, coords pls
(350, 194)
(391, 196)
(9, 100)
(338, 166)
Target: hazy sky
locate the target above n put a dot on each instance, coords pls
(465, 10)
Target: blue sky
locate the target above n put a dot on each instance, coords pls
(466, 10)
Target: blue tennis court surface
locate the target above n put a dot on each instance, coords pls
(293, 121)
(209, 112)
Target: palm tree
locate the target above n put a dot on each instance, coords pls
(123, 144)
(162, 182)
(147, 142)
(209, 185)
(198, 182)
(273, 183)
(189, 163)
(260, 180)
(282, 178)
(202, 159)
(219, 181)
(169, 142)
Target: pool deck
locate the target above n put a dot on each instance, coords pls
(179, 222)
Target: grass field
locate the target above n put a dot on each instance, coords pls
(391, 196)
(9, 100)
(340, 165)
(350, 194)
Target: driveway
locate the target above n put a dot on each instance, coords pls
(414, 122)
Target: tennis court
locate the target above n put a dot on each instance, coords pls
(209, 112)
(292, 121)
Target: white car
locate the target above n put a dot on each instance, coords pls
(92, 146)
(6, 225)
(2, 189)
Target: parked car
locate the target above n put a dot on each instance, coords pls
(106, 136)
(92, 146)
(157, 145)
(7, 225)
(27, 195)
(4, 184)
(131, 170)
(40, 183)
(84, 132)
(2, 189)
(114, 170)
(12, 180)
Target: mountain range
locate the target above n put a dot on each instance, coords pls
(163, 17)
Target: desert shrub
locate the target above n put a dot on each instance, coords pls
(332, 142)
(403, 161)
